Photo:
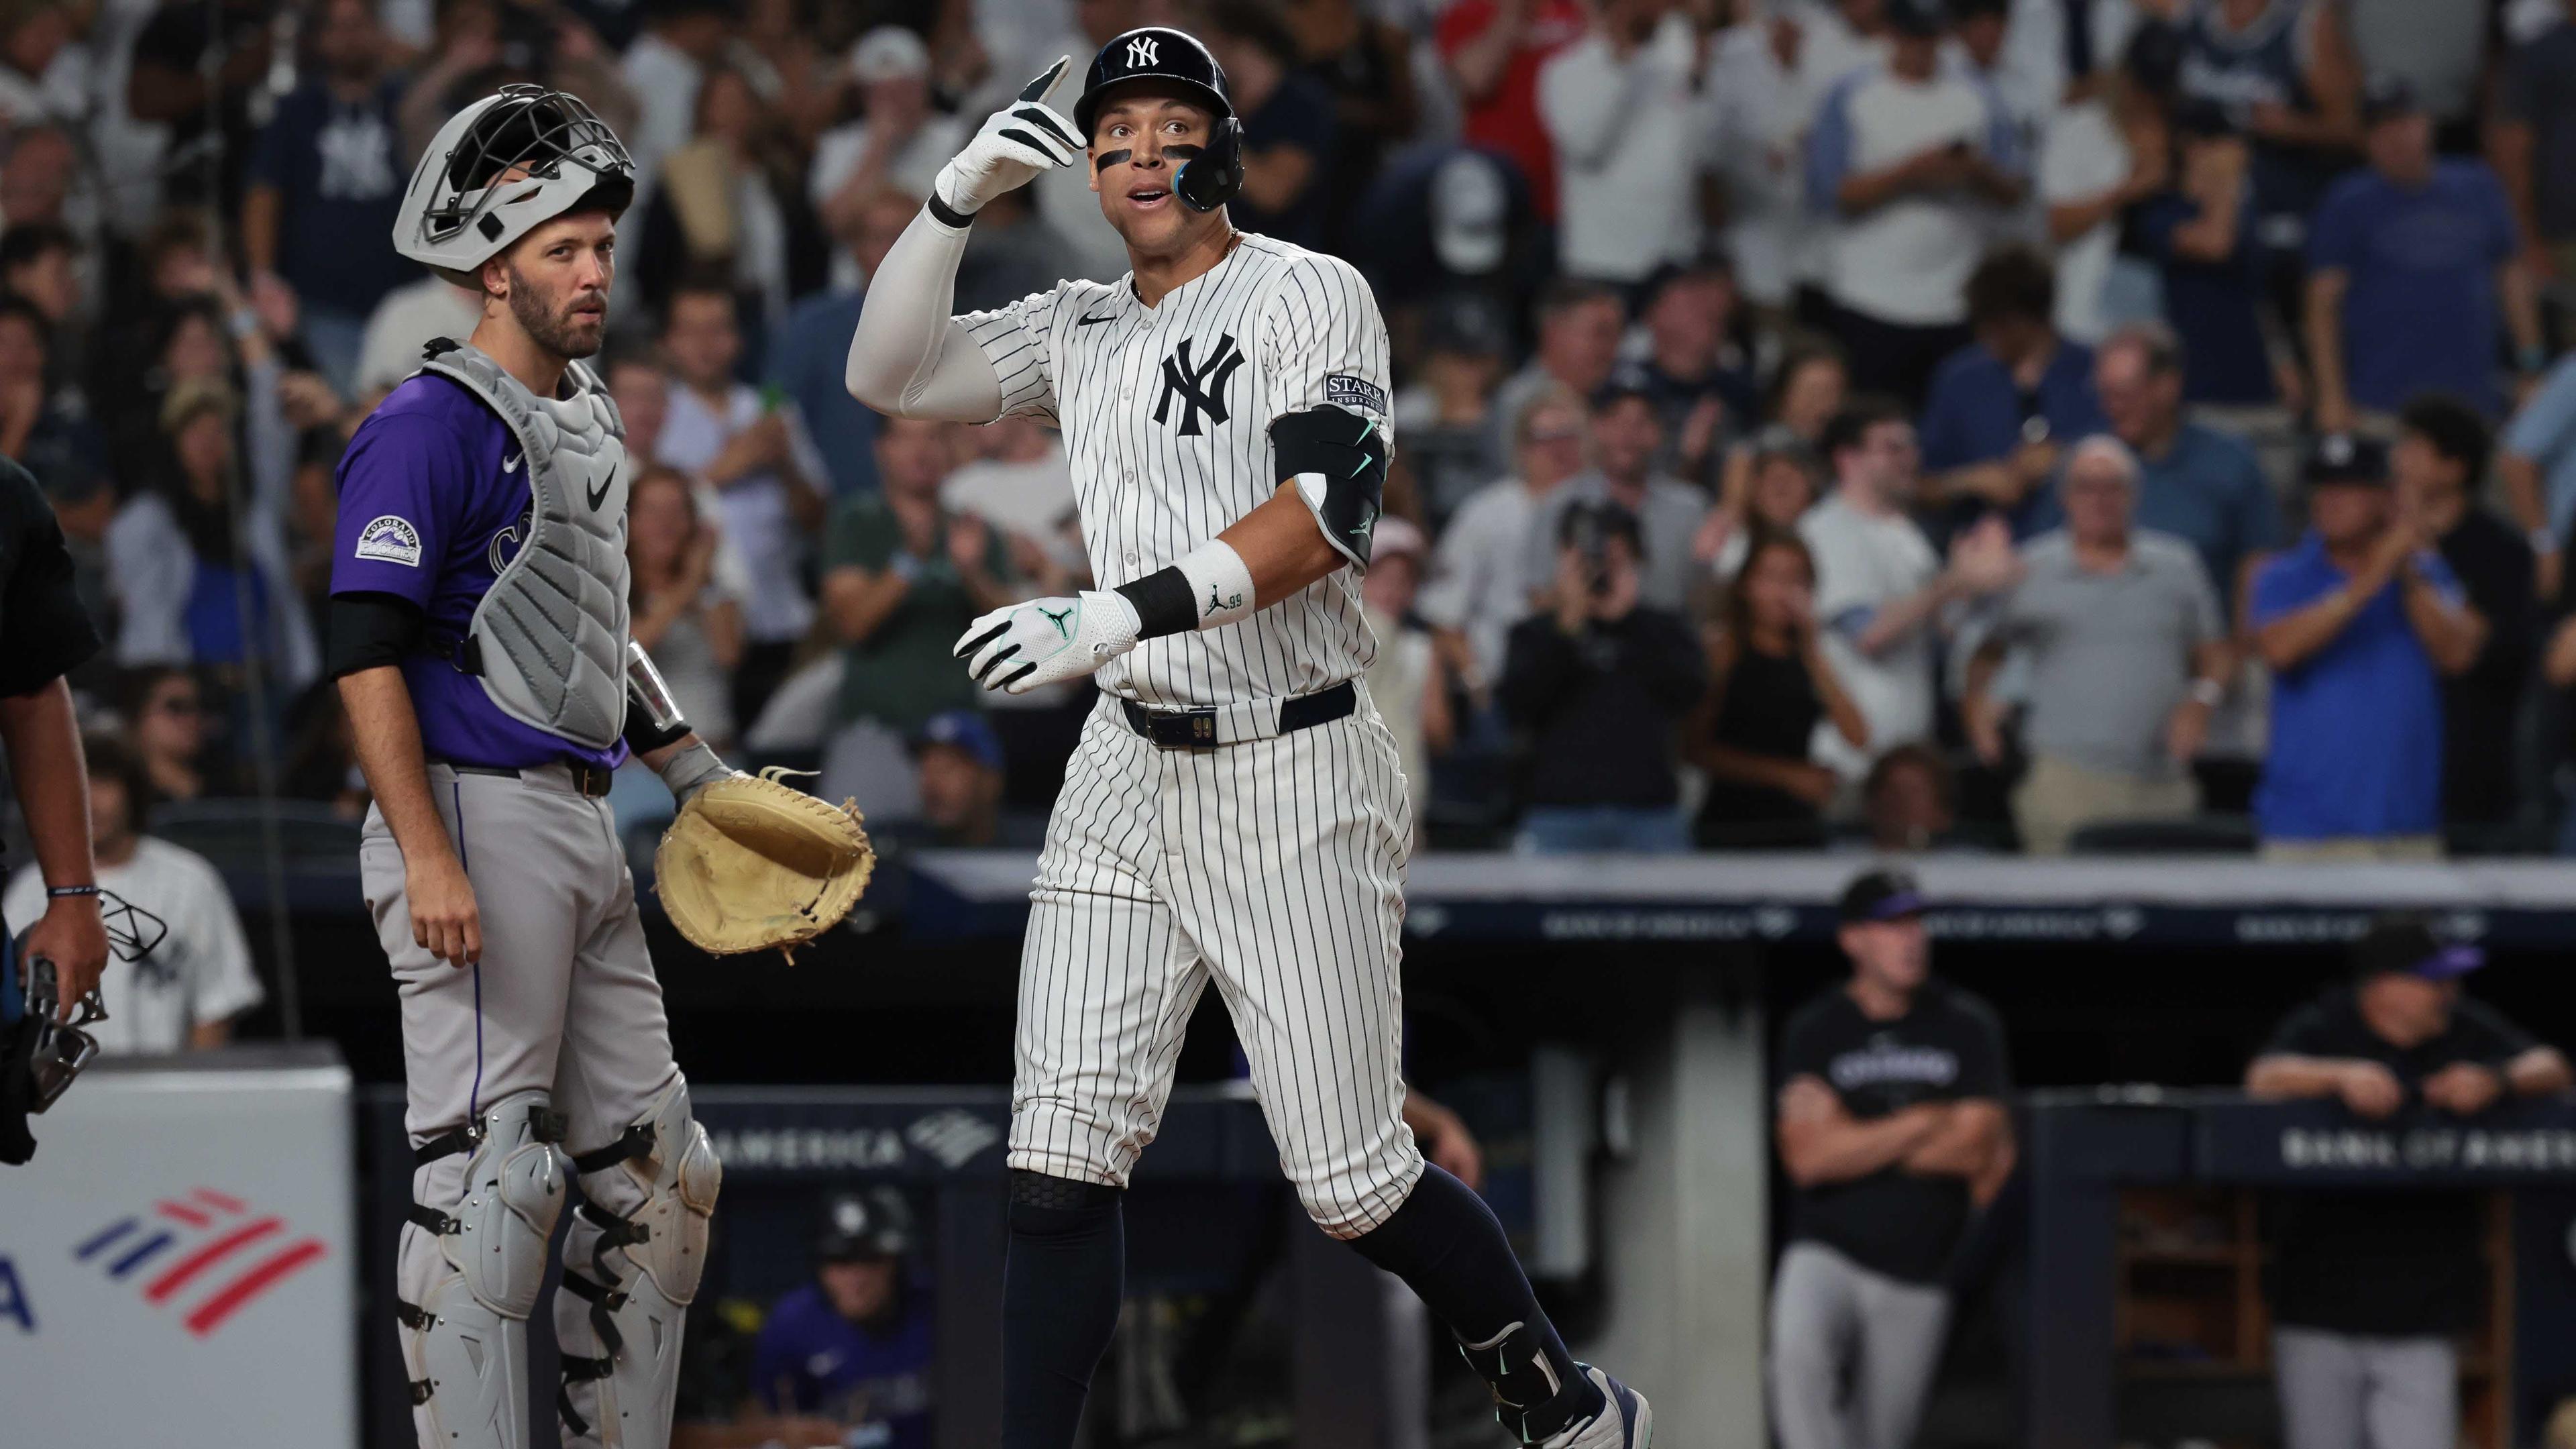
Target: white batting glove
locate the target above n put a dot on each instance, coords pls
(1018, 141)
(1047, 641)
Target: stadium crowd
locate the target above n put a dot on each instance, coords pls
(1967, 424)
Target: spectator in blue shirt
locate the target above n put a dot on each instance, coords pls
(1696, 369)
(2197, 483)
(2412, 258)
(809, 360)
(854, 1346)
(2360, 623)
(2201, 235)
(2003, 409)
(325, 180)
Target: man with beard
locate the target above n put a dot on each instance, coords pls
(479, 636)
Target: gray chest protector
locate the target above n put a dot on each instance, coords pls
(549, 639)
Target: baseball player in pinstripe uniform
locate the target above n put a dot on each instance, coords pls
(1235, 811)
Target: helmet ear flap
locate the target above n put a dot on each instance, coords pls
(1211, 178)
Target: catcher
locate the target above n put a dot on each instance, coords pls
(479, 638)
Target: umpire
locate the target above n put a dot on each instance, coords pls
(43, 635)
(1892, 1129)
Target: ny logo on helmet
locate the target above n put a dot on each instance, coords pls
(1200, 386)
(1140, 52)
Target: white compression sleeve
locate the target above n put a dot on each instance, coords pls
(908, 356)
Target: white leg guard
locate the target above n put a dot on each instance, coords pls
(471, 1262)
(631, 1266)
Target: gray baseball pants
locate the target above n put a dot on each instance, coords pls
(2351, 1391)
(564, 1000)
(1828, 1311)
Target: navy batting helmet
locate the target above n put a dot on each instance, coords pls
(857, 1226)
(1210, 177)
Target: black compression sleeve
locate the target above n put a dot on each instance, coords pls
(368, 630)
(1163, 603)
(641, 735)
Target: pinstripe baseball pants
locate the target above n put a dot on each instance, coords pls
(1274, 868)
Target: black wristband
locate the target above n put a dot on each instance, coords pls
(1163, 603)
(947, 215)
(55, 893)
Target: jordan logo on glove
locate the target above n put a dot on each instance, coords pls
(1046, 641)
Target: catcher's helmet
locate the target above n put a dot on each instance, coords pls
(500, 168)
(875, 1223)
(1209, 179)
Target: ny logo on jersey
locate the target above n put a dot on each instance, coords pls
(1140, 52)
(1201, 386)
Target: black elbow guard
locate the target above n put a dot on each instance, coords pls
(370, 630)
(1348, 453)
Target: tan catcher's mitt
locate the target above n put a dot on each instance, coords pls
(753, 863)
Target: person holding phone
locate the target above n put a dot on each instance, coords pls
(1597, 683)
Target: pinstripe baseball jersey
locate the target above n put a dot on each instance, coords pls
(1166, 413)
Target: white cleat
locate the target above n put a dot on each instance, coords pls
(1624, 1422)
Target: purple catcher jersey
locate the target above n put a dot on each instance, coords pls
(433, 501)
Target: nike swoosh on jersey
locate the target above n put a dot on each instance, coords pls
(510, 464)
(1087, 321)
(599, 495)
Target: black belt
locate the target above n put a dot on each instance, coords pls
(1196, 729)
(592, 780)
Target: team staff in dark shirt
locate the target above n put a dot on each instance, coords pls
(1892, 1129)
(43, 635)
(2369, 1290)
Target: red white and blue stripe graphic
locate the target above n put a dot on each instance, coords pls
(207, 1255)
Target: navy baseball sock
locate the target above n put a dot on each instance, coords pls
(1061, 1286)
(1449, 1248)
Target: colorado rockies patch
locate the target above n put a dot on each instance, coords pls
(391, 540)
(1355, 392)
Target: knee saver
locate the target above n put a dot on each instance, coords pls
(469, 1325)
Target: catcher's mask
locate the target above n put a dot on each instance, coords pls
(502, 167)
(62, 1049)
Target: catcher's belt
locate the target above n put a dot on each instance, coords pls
(752, 862)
